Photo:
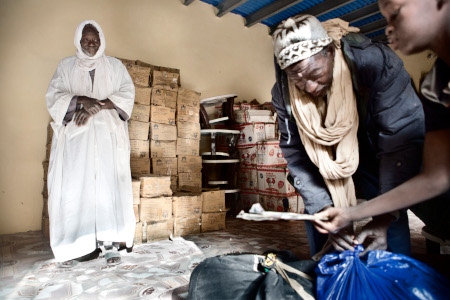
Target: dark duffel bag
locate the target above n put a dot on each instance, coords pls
(249, 276)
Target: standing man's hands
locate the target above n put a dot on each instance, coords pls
(81, 117)
(90, 105)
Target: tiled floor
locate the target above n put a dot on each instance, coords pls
(159, 270)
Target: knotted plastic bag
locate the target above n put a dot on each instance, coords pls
(378, 275)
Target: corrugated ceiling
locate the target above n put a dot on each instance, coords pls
(363, 14)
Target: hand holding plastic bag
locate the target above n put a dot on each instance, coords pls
(378, 275)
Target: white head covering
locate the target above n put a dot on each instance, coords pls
(85, 61)
(297, 38)
(102, 85)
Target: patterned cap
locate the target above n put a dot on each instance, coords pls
(297, 38)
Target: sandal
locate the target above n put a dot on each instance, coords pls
(113, 258)
(68, 264)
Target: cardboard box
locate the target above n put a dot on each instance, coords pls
(159, 230)
(246, 200)
(49, 133)
(186, 225)
(138, 234)
(140, 113)
(250, 105)
(250, 134)
(139, 149)
(165, 165)
(188, 147)
(189, 164)
(163, 132)
(155, 186)
(136, 212)
(165, 78)
(247, 179)
(273, 181)
(280, 204)
(158, 68)
(136, 186)
(187, 204)
(270, 131)
(45, 190)
(45, 167)
(45, 208)
(139, 74)
(268, 106)
(159, 208)
(189, 98)
(138, 130)
(46, 228)
(48, 149)
(142, 95)
(188, 130)
(126, 61)
(190, 182)
(162, 114)
(163, 148)
(164, 96)
(248, 156)
(213, 221)
(139, 166)
(174, 183)
(187, 114)
(269, 154)
(254, 115)
(213, 201)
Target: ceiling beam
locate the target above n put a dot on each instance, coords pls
(326, 7)
(361, 13)
(380, 38)
(374, 26)
(187, 2)
(269, 10)
(228, 5)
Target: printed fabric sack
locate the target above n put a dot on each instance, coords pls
(249, 276)
(378, 275)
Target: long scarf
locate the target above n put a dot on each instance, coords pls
(102, 86)
(328, 129)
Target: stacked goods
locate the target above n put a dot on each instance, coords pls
(172, 129)
(213, 210)
(187, 213)
(138, 124)
(155, 208)
(188, 141)
(45, 227)
(262, 176)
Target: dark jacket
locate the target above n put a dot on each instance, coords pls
(391, 122)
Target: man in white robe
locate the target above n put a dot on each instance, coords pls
(90, 99)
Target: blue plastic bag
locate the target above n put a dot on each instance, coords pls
(378, 275)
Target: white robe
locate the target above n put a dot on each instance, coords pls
(89, 177)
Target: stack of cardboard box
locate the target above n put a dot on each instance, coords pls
(155, 209)
(213, 210)
(45, 219)
(262, 176)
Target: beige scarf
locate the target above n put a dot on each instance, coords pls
(329, 129)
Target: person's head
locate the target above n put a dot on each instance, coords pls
(305, 52)
(416, 25)
(89, 40)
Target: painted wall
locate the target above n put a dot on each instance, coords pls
(215, 55)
